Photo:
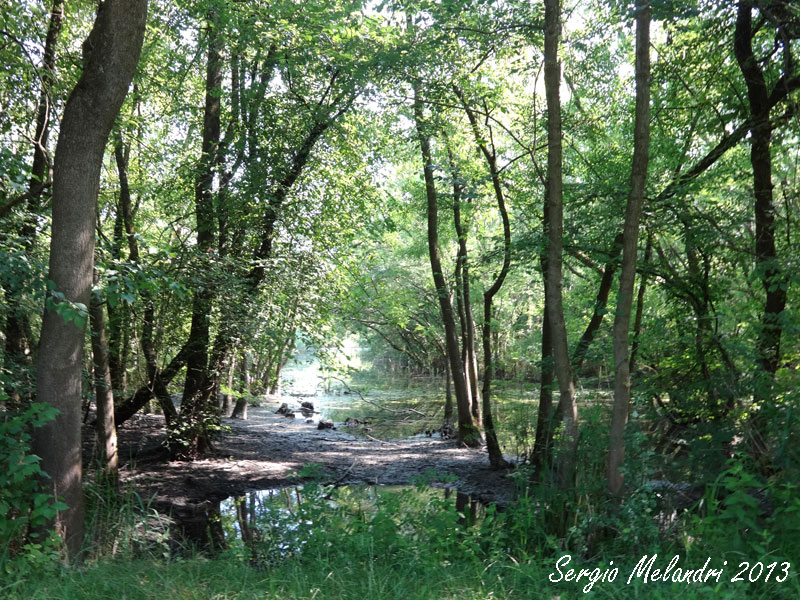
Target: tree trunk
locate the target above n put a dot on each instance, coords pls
(633, 211)
(448, 393)
(768, 267)
(600, 302)
(117, 315)
(240, 410)
(189, 438)
(468, 432)
(111, 55)
(154, 380)
(637, 322)
(464, 302)
(104, 396)
(227, 398)
(563, 369)
(541, 455)
(145, 393)
(496, 459)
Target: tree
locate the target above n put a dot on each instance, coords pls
(768, 265)
(493, 447)
(554, 198)
(104, 395)
(467, 430)
(111, 53)
(630, 237)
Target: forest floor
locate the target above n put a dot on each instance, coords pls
(265, 451)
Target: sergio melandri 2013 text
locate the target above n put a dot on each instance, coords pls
(646, 572)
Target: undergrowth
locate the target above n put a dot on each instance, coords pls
(318, 542)
(426, 541)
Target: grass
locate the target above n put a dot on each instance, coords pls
(357, 544)
(333, 577)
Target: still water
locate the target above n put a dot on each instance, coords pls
(278, 523)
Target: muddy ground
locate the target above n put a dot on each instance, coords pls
(264, 451)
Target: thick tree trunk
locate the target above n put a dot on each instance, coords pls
(468, 432)
(541, 455)
(104, 396)
(622, 316)
(563, 369)
(768, 267)
(111, 55)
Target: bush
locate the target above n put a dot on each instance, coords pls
(24, 511)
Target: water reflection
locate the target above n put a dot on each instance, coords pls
(275, 524)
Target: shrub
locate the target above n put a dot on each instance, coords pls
(24, 511)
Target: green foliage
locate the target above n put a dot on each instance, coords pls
(25, 544)
(422, 542)
(745, 514)
(71, 312)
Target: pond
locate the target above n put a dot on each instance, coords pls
(384, 407)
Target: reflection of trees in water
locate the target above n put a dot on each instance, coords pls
(270, 525)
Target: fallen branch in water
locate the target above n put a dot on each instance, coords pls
(360, 395)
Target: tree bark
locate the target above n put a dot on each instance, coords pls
(240, 409)
(145, 393)
(468, 432)
(464, 302)
(563, 369)
(542, 452)
(111, 55)
(227, 398)
(633, 211)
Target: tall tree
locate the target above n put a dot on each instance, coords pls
(468, 432)
(111, 53)
(768, 266)
(553, 281)
(188, 436)
(490, 155)
(630, 240)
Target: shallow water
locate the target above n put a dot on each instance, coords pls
(277, 523)
(402, 407)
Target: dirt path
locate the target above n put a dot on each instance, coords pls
(263, 451)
